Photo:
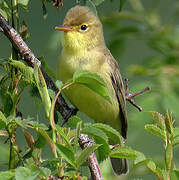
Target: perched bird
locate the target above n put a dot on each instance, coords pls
(84, 49)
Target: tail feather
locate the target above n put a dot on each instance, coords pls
(120, 166)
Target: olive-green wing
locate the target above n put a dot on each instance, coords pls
(120, 93)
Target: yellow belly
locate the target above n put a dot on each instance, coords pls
(93, 105)
(85, 99)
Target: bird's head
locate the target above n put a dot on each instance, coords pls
(82, 29)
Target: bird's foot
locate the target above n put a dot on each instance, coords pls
(130, 96)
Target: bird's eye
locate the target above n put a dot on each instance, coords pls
(84, 27)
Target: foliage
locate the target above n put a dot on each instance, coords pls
(68, 159)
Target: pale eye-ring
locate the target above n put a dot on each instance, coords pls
(84, 27)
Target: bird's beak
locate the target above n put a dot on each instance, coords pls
(63, 28)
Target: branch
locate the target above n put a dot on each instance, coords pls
(130, 96)
(66, 112)
(85, 142)
(28, 56)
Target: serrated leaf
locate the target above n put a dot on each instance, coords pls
(7, 175)
(140, 159)
(168, 122)
(44, 172)
(26, 71)
(94, 132)
(2, 117)
(23, 173)
(73, 121)
(151, 165)
(103, 151)
(100, 138)
(158, 118)
(155, 130)
(93, 82)
(63, 135)
(112, 134)
(82, 157)
(124, 152)
(67, 154)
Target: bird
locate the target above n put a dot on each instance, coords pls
(84, 49)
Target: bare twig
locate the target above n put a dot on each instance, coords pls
(84, 142)
(130, 96)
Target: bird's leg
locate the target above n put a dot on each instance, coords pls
(130, 96)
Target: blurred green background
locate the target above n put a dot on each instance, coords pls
(144, 38)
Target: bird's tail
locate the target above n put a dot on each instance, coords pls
(120, 166)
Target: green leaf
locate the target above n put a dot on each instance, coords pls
(155, 130)
(4, 14)
(23, 2)
(93, 82)
(63, 135)
(23, 173)
(169, 156)
(43, 172)
(94, 132)
(46, 67)
(82, 157)
(151, 165)
(2, 117)
(73, 121)
(103, 151)
(40, 142)
(27, 72)
(168, 122)
(67, 154)
(100, 138)
(7, 175)
(112, 134)
(158, 118)
(124, 152)
(18, 120)
(51, 93)
(59, 84)
(140, 159)
(38, 125)
(42, 87)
